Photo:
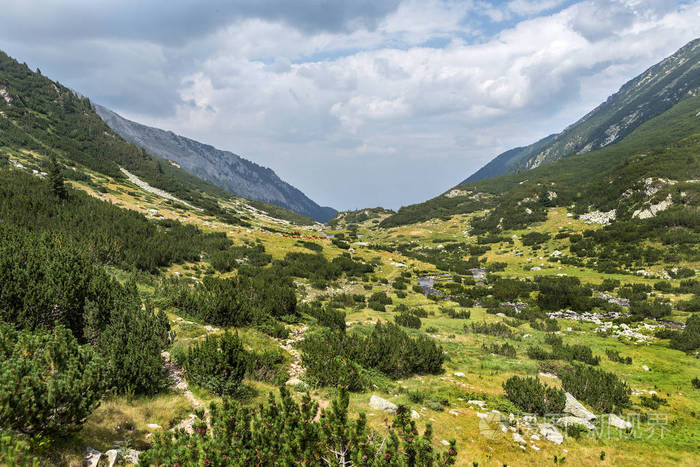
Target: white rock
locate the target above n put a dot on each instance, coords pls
(154, 426)
(112, 456)
(599, 217)
(645, 368)
(519, 439)
(415, 415)
(378, 403)
(617, 422)
(460, 374)
(550, 433)
(653, 209)
(92, 457)
(445, 442)
(293, 381)
(577, 409)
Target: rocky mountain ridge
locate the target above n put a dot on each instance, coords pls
(224, 169)
(648, 95)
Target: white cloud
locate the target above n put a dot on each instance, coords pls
(371, 115)
(532, 7)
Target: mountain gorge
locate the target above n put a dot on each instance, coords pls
(221, 168)
(639, 100)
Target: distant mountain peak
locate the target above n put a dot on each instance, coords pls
(648, 95)
(224, 169)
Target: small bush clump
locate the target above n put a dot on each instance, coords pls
(531, 396)
(217, 363)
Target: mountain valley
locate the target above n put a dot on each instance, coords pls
(166, 303)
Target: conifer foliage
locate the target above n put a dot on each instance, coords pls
(534, 397)
(288, 433)
(217, 363)
(49, 383)
(56, 179)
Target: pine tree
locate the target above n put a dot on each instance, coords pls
(49, 383)
(287, 432)
(58, 186)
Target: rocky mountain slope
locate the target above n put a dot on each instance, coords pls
(221, 168)
(639, 100)
(621, 179)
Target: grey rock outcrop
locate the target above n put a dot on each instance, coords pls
(550, 433)
(378, 403)
(617, 422)
(92, 457)
(577, 409)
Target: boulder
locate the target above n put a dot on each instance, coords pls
(577, 409)
(575, 421)
(550, 433)
(378, 403)
(617, 422)
(112, 456)
(519, 439)
(415, 415)
(92, 457)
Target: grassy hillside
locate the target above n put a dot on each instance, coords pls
(664, 147)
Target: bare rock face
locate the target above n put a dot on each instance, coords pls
(599, 217)
(653, 209)
(577, 409)
(378, 403)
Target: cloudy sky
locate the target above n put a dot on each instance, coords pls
(360, 102)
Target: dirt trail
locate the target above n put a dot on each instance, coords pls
(176, 375)
(296, 369)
